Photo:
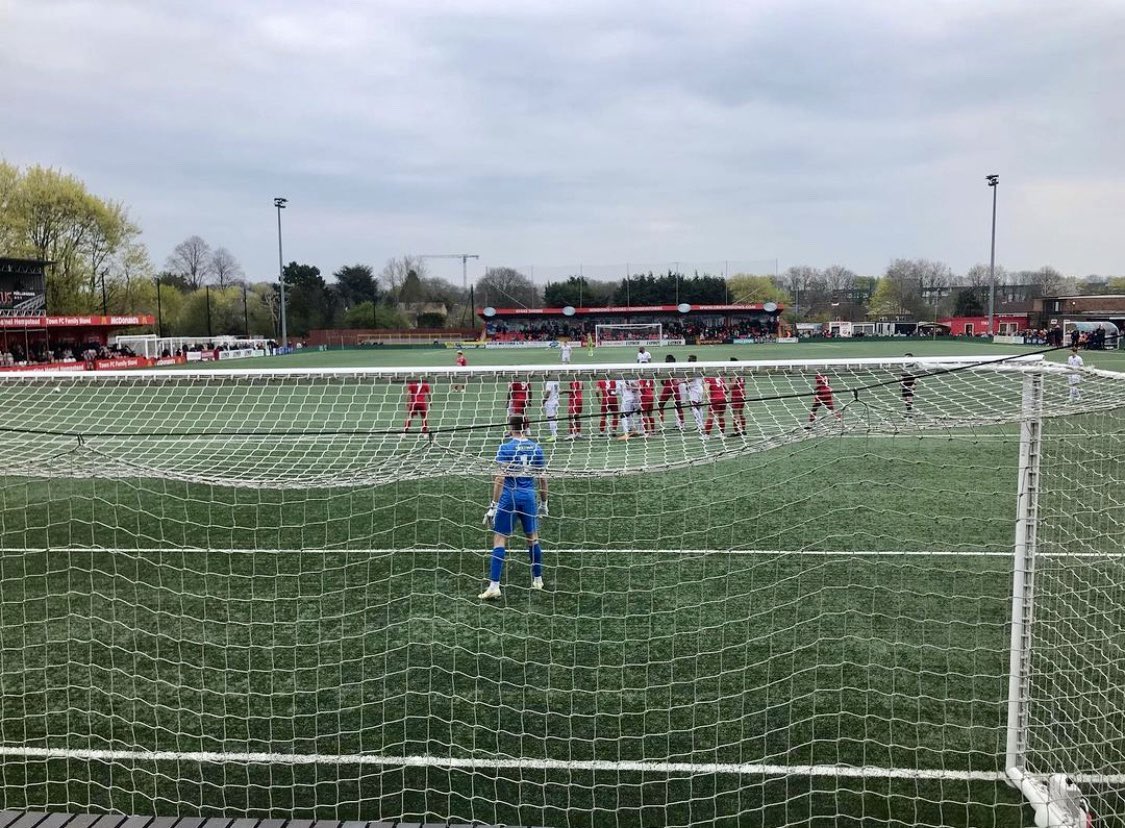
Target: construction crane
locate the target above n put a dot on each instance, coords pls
(464, 257)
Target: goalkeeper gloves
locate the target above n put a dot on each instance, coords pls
(490, 514)
(543, 509)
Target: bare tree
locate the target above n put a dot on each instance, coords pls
(506, 285)
(225, 267)
(191, 260)
(395, 271)
(840, 281)
(805, 284)
(1048, 281)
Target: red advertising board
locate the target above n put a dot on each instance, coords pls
(111, 364)
(46, 367)
(22, 322)
(117, 363)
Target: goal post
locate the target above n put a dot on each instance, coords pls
(626, 334)
(255, 592)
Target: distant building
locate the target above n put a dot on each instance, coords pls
(432, 313)
(1067, 310)
(1005, 324)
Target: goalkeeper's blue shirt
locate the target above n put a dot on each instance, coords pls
(518, 458)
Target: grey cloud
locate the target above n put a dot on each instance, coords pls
(815, 132)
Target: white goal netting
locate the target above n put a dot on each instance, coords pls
(630, 335)
(776, 594)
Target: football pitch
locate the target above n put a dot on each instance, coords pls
(390, 357)
(813, 633)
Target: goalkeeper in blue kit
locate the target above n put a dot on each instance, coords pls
(513, 498)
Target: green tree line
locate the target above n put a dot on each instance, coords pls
(99, 263)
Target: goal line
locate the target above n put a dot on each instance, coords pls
(486, 763)
(563, 550)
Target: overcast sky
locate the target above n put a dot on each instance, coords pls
(566, 132)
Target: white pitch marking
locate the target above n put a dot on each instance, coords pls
(638, 766)
(817, 553)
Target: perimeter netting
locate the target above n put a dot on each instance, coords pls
(240, 592)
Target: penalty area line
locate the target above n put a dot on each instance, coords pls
(485, 763)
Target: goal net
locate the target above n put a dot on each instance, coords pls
(252, 592)
(639, 333)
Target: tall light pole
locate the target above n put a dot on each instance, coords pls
(994, 183)
(280, 203)
(464, 257)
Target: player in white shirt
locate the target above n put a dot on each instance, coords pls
(565, 350)
(551, 407)
(1074, 361)
(628, 396)
(643, 356)
(695, 395)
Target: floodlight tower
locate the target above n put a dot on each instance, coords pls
(464, 257)
(994, 183)
(280, 203)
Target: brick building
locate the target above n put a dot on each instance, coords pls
(1062, 310)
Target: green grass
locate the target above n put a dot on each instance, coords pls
(299, 617)
(828, 349)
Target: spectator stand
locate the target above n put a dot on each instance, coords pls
(33, 341)
(196, 348)
(694, 324)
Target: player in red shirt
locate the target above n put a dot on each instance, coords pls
(461, 362)
(717, 408)
(574, 409)
(647, 387)
(417, 403)
(669, 390)
(519, 395)
(604, 389)
(822, 396)
(737, 387)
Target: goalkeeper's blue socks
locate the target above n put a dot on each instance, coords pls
(497, 570)
(535, 551)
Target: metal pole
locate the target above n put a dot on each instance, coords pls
(280, 203)
(994, 183)
(465, 272)
(245, 312)
(207, 296)
(159, 311)
(1023, 570)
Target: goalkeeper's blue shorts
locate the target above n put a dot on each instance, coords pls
(512, 505)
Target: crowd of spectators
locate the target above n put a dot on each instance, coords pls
(37, 353)
(269, 346)
(690, 330)
(1098, 339)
